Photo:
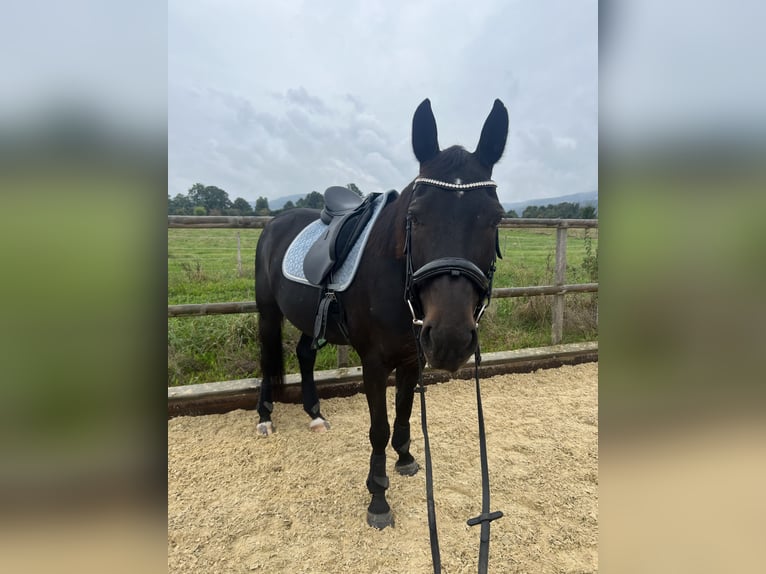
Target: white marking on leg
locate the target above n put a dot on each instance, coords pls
(265, 429)
(319, 425)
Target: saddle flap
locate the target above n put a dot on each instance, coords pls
(320, 257)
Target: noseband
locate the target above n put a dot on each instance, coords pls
(453, 266)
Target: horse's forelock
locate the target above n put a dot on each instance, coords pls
(448, 161)
(454, 163)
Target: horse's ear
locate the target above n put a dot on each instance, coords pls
(425, 144)
(493, 135)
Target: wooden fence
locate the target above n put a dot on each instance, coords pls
(557, 290)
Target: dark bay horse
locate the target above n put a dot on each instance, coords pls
(441, 231)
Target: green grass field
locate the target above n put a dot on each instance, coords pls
(202, 268)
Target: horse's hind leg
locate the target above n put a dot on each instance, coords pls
(272, 363)
(406, 379)
(306, 359)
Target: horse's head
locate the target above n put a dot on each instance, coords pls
(451, 238)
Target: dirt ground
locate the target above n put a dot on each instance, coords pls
(296, 502)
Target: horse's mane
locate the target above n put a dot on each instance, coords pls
(448, 161)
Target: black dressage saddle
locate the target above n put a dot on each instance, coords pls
(346, 215)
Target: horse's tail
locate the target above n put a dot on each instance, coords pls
(270, 320)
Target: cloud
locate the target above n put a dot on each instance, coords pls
(310, 145)
(303, 99)
(324, 95)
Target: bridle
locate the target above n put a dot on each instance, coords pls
(454, 266)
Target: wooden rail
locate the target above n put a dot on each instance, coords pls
(224, 396)
(557, 290)
(218, 222)
(259, 221)
(198, 310)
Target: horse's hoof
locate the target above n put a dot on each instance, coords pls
(265, 429)
(319, 425)
(409, 469)
(380, 521)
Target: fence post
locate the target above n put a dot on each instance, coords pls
(557, 323)
(343, 360)
(239, 257)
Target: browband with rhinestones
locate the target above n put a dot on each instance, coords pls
(448, 185)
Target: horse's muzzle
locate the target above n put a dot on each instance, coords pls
(447, 348)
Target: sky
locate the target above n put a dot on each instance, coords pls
(280, 98)
(682, 69)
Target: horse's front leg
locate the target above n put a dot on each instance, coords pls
(379, 512)
(406, 380)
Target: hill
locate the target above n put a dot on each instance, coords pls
(585, 198)
(279, 202)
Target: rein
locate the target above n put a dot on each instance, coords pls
(454, 266)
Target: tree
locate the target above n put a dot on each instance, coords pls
(212, 198)
(568, 210)
(355, 189)
(288, 205)
(180, 205)
(313, 200)
(511, 213)
(199, 210)
(262, 206)
(242, 206)
(563, 210)
(531, 211)
(195, 190)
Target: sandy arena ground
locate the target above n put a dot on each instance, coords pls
(296, 502)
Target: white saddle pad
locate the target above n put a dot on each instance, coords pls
(292, 264)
